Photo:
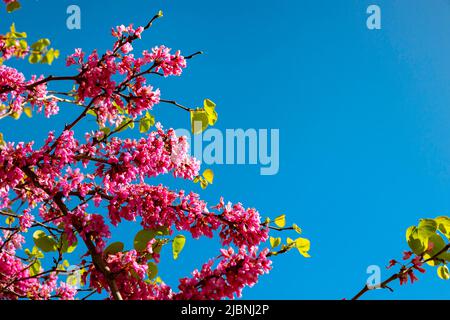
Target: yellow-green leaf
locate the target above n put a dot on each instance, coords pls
(297, 228)
(114, 248)
(417, 243)
(10, 220)
(146, 123)
(275, 242)
(152, 270)
(199, 121)
(34, 58)
(443, 225)
(443, 273)
(35, 268)
(203, 183)
(13, 6)
(208, 174)
(280, 221)
(65, 247)
(142, 238)
(44, 242)
(28, 112)
(303, 245)
(436, 243)
(178, 245)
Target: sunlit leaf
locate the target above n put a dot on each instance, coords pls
(114, 248)
(297, 228)
(199, 121)
(303, 245)
(280, 221)
(275, 242)
(28, 112)
(35, 268)
(44, 242)
(208, 174)
(152, 270)
(178, 245)
(443, 273)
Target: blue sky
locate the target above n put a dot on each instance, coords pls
(363, 118)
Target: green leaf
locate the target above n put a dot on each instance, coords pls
(28, 112)
(210, 107)
(443, 273)
(203, 183)
(178, 245)
(427, 227)
(10, 220)
(114, 248)
(13, 6)
(199, 121)
(443, 225)
(280, 221)
(212, 118)
(65, 247)
(124, 125)
(208, 174)
(40, 45)
(297, 228)
(152, 270)
(146, 123)
(49, 57)
(303, 245)
(35, 253)
(72, 280)
(34, 58)
(23, 45)
(437, 243)
(91, 112)
(417, 243)
(12, 28)
(15, 115)
(35, 268)
(106, 131)
(144, 236)
(275, 242)
(44, 242)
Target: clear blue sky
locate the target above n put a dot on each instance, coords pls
(363, 118)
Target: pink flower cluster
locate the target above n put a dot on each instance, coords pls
(15, 280)
(408, 272)
(61, 179)
(96, 77)
(242, 227)
(14, 82)
(234, 271)
(159, 153)
(16, 93)
(12, 48)
(170, 64)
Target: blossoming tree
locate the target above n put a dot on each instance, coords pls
(67, 192)
(55, 193)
